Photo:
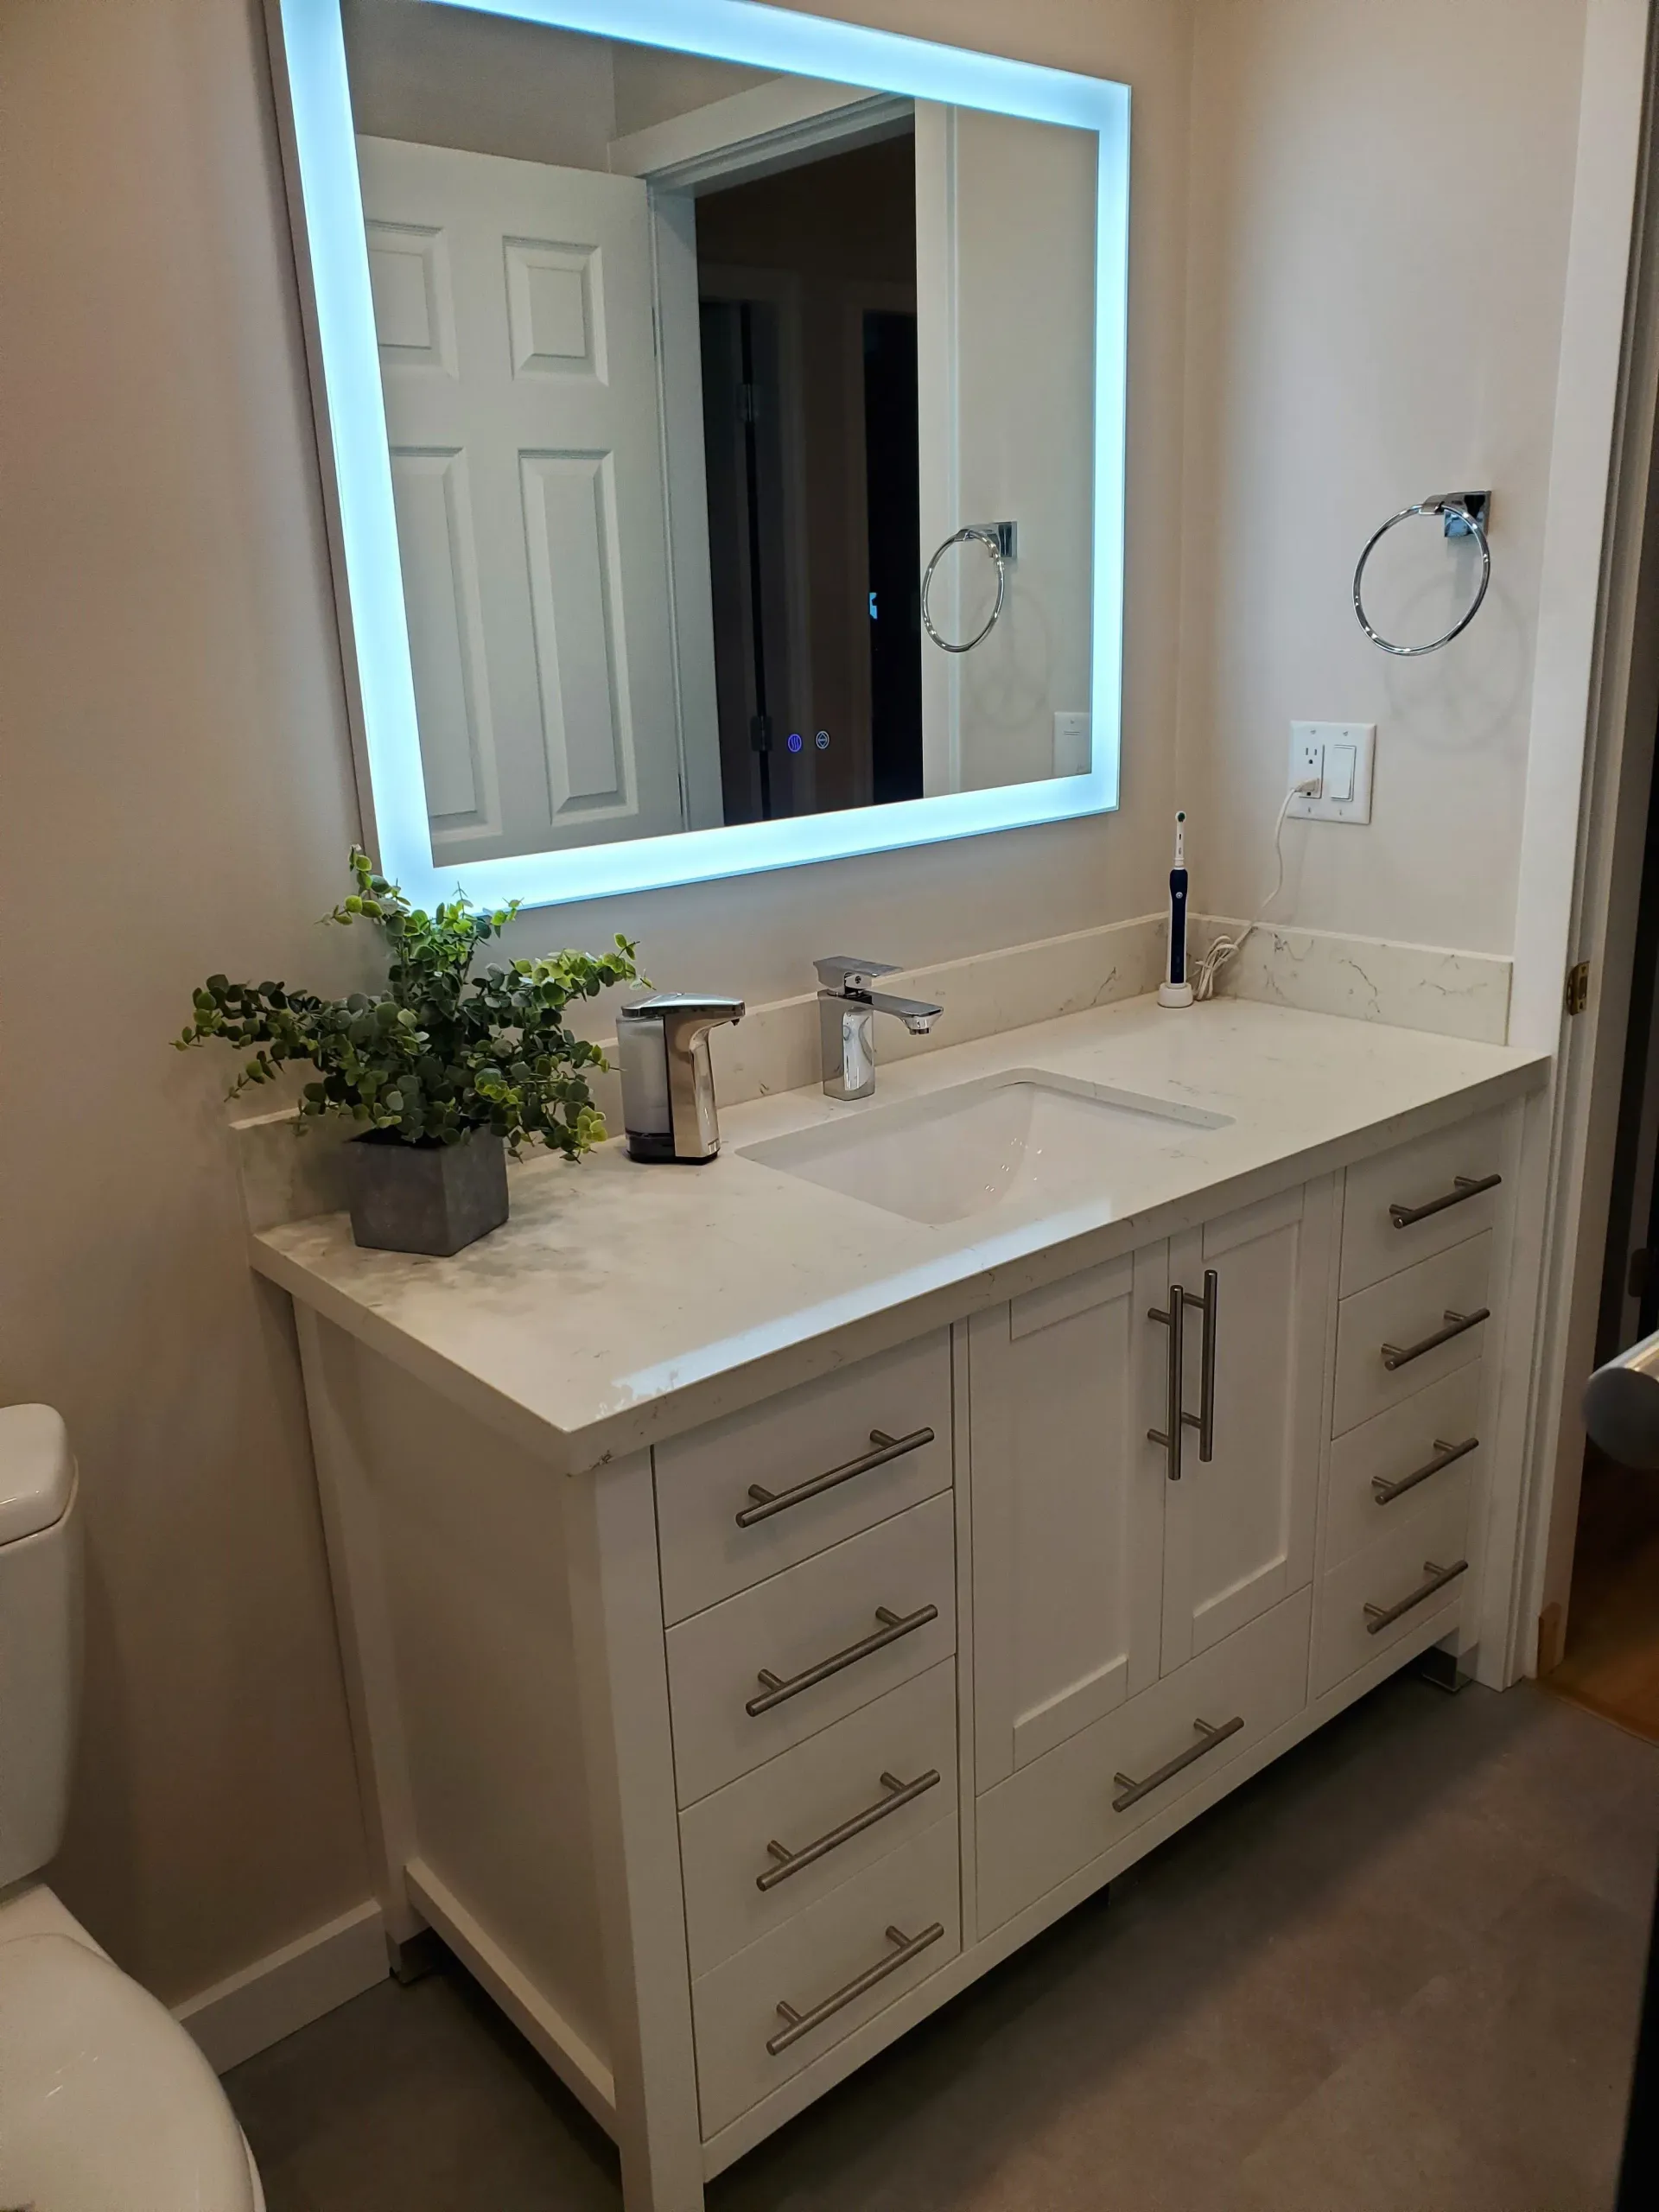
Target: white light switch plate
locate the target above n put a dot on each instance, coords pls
(1073, 745)
(1342, 755)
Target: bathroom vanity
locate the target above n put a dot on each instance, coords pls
(772, 1594)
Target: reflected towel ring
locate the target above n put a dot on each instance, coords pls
(998, 539)
(1464, 514)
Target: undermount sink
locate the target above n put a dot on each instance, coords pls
(1013, 1142)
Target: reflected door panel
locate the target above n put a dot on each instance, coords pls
(513, 310)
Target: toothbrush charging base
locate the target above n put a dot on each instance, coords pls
(1174, 994)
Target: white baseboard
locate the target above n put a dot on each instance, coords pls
(289, 1989)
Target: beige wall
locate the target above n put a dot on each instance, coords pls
(178, 799)
(177, 794)
(1381, 195)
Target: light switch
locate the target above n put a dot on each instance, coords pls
(1342, 755)
(1073, 745)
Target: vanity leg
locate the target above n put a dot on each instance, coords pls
(1440, 1668)
(356, 1576)
(414, 1957)
(617, 1613)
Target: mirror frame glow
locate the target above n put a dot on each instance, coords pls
(322, 154)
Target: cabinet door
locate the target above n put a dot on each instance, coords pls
(1238, 1528)
(1067, 1508)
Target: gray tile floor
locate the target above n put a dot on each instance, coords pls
(1396, 1973)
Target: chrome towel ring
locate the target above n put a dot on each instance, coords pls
(1463, 514)
(998, 538)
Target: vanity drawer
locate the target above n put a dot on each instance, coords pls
(1403, 1320)
(1432, 1179)
(1393, 1571)
(1395, 1449)
(846, 1625)
(835, 1966)
(836, 1785)
(1057, 1815)
(716, 1539)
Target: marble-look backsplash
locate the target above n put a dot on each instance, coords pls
(775, 1047)
(1369, 979)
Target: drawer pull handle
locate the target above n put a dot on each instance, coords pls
(1403, 1355)
(1377, 1617)
(1445, 1455)
(1175, 1418)
(904, 1947)
(894, 1795)
(1208, 1736)
(767, 1502)
(1463, 1187)
(774, 1689)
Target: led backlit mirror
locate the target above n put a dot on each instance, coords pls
(725, 414)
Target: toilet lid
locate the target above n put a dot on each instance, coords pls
(105, 2103)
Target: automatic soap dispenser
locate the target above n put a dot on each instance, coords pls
(668, 1083)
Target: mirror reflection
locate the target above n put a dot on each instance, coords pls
(740, 428)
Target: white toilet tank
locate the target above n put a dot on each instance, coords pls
(40, 1636)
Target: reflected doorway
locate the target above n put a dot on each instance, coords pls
(807, 301)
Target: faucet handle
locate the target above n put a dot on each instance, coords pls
(839, 971)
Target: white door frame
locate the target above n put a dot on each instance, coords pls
(1595, 695)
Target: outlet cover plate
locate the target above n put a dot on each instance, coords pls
(1343, 756)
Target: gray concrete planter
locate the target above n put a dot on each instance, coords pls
(425, 1197)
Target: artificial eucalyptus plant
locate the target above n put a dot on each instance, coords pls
(440, 1051)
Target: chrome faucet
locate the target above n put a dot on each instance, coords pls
(846, 1011)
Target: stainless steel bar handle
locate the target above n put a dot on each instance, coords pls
(1445, 1456)
(1168, 1437)
(1210, 1734)
(895, 1795)
(1207, 1306)
(1377, 1617)
(768, 1502)
(775, 1689)
(1403, 1355)
(1175, 1418)
(1463, 1187)
(802, 2023)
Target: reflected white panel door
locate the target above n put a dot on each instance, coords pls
(1067, 1508)
(513, 307)
(1238, 1528)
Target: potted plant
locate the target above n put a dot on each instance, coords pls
(444, 1068)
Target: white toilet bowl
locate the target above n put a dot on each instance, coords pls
(106, 2105)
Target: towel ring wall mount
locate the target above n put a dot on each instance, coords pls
(1463, 514)
(1000, 540)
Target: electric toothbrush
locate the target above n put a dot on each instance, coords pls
(1175, 990)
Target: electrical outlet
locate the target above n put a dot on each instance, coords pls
(1342, 756)
(1073, 745)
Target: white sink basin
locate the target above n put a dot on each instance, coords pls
(1017, 1141)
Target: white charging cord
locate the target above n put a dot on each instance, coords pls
(1228, 948)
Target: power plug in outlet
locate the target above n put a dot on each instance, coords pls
(1306, 763)
(1341, 755)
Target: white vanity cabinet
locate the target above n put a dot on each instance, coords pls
(1424, 1259)
(724, 1760)
(1120, 1534)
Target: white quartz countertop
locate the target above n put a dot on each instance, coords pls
(621, 1304)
